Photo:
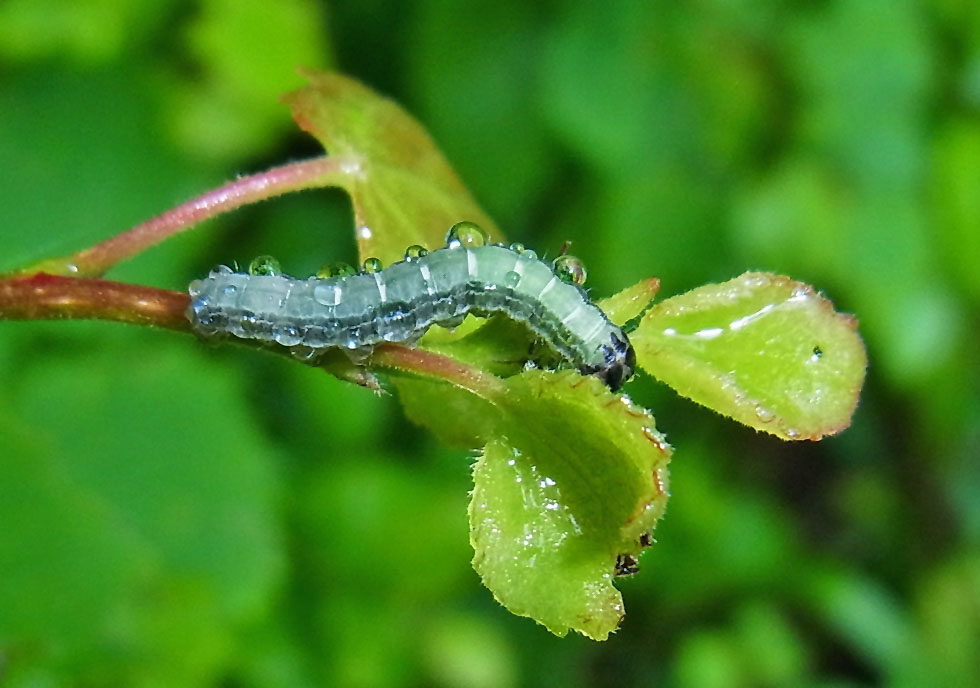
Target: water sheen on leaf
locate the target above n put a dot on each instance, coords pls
(762, 349)
(403, 190)
(574, 477)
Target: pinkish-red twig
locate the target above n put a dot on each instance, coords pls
(50, 297)
(433, 365)
(297, 176)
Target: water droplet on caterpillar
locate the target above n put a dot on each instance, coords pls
(570, 269)
(338, 269)
(465, 235)
(264, 265)
(303, 353)
(414, 252)
(512, 279)
(287, 336)
(328, 294)
(372, 265)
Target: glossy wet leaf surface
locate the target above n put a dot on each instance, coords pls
(573, 477)
(403, 190)
(763, 349)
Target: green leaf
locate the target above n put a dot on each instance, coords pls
(631, 302)
(574, 477)
(958, 204)
(244, 50)
(456, 416)
(56, 537)
(403, 190)
(140, 509)
(762, 349)
(81, 171)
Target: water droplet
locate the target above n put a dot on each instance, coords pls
(328, 294)
(338, 269)
(351, 167)
(466, 235)
(414, 252)
(221, 270)
(229, 289)
(372, 265)
(763, 414)
(800, 293)
(512, 279)
(709, 333)
(287, 336)
(570, 269)
(792, 433)
(303, 353)
(655, 438)
(517, 247)
(264, 265)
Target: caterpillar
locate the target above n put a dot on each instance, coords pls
(340, 308)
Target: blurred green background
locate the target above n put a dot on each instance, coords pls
(177, 514)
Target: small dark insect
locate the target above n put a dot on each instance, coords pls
(627, 565)
(817, 351)
(646, 540)
(357, 310)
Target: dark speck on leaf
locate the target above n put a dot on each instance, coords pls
(626, 565)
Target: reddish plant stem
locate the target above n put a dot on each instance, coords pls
(432, 365)
(297, 176)
(66, 287)
(51, 297)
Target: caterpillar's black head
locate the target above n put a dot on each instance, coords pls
(620, 361)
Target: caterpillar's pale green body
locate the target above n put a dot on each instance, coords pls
(399, 303)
